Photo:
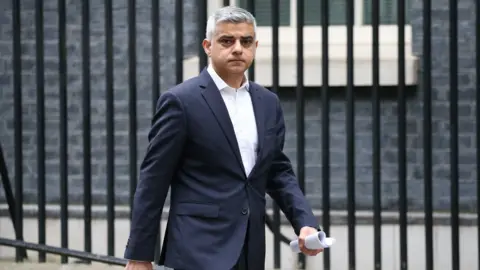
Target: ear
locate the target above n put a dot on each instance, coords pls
(206, 44)
(256, 44)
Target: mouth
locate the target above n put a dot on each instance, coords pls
(236, 60)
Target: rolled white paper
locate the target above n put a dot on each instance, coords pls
(314, 241)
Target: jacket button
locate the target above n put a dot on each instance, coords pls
(245, 211)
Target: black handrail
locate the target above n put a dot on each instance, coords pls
(91, 256)
(269, 223)
(63, 251)
(10, 198)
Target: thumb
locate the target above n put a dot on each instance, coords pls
(301, 238)
(303, 234)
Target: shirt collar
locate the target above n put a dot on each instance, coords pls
(220, 83)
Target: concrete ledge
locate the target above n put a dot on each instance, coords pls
(337, 45)
(337, 217)
(364, 236)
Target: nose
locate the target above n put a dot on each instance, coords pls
(237, 47)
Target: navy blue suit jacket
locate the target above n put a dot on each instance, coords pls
(193, 150)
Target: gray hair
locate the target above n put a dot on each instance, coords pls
(229, 14)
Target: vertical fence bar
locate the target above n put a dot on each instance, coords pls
(179, 41)
(109, 114)
(87, 142)
(402, 136)
(350, 128)
(376, 165)
(226, 3)
(454, 208)
(202, 24)
(40, 78)
(427, 132)
(155, 53)
(18, 123)
(275, 13)
(251, 70)
(300, 97)
(300, 107)
(325, 130)
(132, 97)
(477, 76)
(155, 24)
(62, 74)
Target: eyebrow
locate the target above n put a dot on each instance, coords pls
(229, 36)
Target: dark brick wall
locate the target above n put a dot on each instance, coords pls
(144, 75)
(363, 123)
(466, 92)
(389, 122)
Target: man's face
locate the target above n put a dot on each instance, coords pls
(232, 47)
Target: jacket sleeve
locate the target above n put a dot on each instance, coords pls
(283, 186)
(166, 142)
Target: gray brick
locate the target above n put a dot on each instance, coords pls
(74, 77)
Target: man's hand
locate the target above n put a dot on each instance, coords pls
(304, 232)
(134, 265)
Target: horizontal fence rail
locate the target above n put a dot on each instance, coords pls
(405, 148)
(63, 252)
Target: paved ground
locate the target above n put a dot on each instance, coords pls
(54, 266)
(364, 250)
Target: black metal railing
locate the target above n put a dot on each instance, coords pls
(86, 127)
(477, 112)
(16, 199)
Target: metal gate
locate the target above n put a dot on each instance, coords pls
(460, 92)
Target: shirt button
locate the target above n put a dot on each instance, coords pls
(244, 211)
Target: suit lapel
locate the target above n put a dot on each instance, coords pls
(259, 116)
(212, 96)
(260, 121)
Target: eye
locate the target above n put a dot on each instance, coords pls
(226, 41)
(247, 42)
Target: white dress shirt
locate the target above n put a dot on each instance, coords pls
(240, 109)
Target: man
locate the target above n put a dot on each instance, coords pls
(217, 141)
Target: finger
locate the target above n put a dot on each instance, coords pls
(309, 252)
(301, 243)
(303, 248)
